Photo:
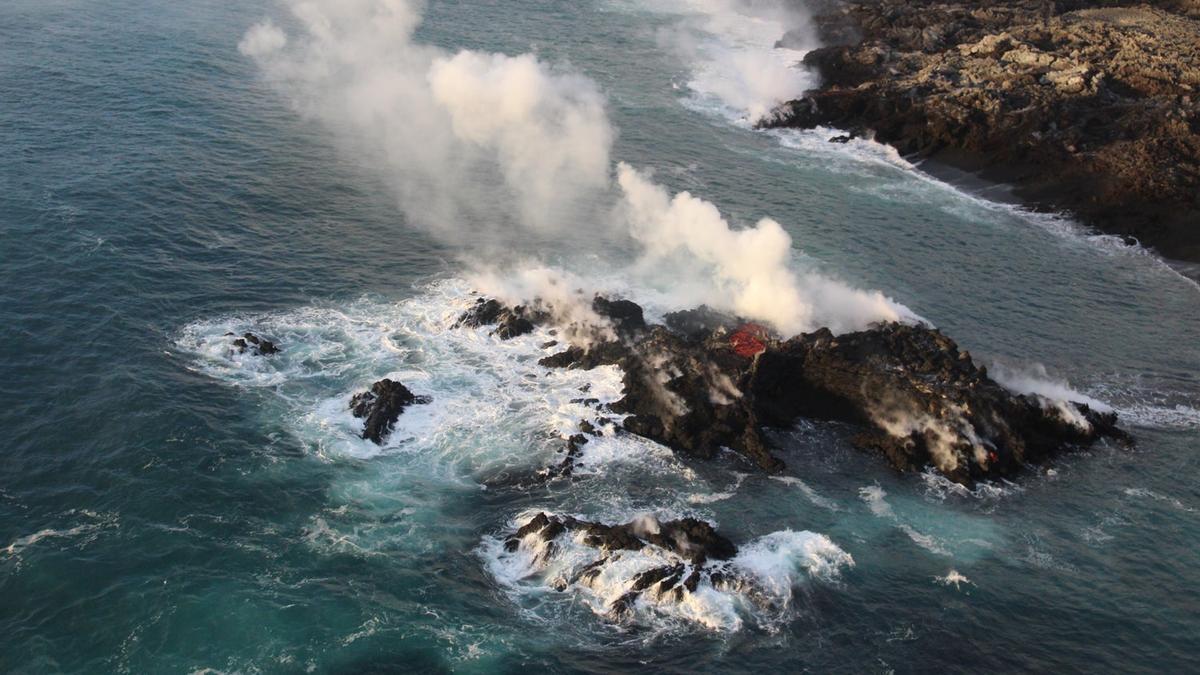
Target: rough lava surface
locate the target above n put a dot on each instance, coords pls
(704, 381)
(1089, 107)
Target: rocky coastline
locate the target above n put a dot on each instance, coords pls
(1084, 107)
(705, 381)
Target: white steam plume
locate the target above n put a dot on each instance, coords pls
(731, 47)
(479, 145)
(446, 129)
(1055, 394)
(748, 268)
(550, 132)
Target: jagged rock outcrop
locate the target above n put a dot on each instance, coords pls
(510, 322)
(626, 316)
(694, 550)
(680, 392)
(921, 399)
(380, 407)
(715, 382)
(254, 344)
(689, 538)
(1088, 107)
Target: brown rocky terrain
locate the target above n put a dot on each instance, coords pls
(1086, 107)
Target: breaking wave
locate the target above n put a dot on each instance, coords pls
(756, 587)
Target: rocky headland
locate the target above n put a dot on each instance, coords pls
(704, 381)
(1087, 107)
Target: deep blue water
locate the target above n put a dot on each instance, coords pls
(166, 509)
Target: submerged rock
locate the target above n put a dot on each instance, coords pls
(682, 568)
(688, 545)
(380, 407)
(708, 382)
(254, 344)
(510, 322)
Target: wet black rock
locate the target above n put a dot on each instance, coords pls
(510, 322)
(701, 322)
(483, 313)
(1090, 109)
(693, 540)
(381, 406)
(254, 344)
(626, 316)
(704, 383)
(679, 392)
(697, 549)
(924, 401)
(566, 467)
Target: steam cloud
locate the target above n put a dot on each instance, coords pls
(470, 137)
(479, 146)
(749, 267)
(732, 46)
(1055, 394)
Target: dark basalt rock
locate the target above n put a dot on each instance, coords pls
(701, 322)
(707, 384)
(510, 322)
(483, 313)
(692, 539)
(926, 401)
(566, 467)
(256, 345)
(1091, 108)
(695, 542)
(626, 316)
(680, 393)
(380, 407)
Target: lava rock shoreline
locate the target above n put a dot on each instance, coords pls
(1085, 106)
(705, 381)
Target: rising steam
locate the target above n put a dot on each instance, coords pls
(749, 267)
(743, 54)
(470, 137)
(481, 146)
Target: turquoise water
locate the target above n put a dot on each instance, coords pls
(167, 508)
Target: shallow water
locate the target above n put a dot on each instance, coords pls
(164, 507)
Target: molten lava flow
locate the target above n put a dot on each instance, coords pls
(748, 340)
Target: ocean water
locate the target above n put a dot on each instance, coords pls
(166, 506)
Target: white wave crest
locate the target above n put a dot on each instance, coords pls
(757, 585)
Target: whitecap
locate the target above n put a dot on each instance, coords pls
(1145, 493)
(756, 586)
(954, 577)
(805, 489)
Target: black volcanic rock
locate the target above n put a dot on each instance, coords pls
(380, 407)
(699, 323)
(694, 549)
(254, 344)
(708, 383)
(510, 322)
(1089, 106)
(694, 540)
(626, 316)
(924, 401)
